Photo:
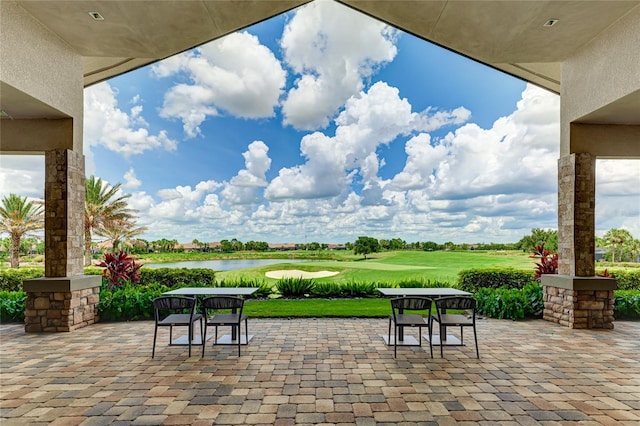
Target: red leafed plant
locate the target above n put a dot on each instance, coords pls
(120, 268)
(605, 274)
(548, 263)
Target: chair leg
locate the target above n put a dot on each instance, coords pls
(442, 341)
(239, 338)
(190, 336)
(461, 335)
(155, 335)
(395, 340)
(204, 337)
(475, 338)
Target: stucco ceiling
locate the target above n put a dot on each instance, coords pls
(507, 35)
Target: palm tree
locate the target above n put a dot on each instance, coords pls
(616, 238)
(103, 205)
(120, 231)
(19, 217)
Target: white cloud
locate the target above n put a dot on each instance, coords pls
(22, 175)
(234, 73)
(333, 49)
(368, 121)
(107, 125)
(130, 180)
(244, 187)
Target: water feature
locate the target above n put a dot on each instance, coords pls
(225, 264)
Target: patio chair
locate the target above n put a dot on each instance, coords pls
(222, 319)
(445, 320)
(175, 311)
(402, 320)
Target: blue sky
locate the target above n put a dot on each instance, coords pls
(323, 125)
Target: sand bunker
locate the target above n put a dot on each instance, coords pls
(295, 273)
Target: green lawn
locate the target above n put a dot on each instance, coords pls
(397, 266)
(315, 308)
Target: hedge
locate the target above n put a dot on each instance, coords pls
(472, 280)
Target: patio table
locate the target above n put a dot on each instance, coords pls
(214, 291)
(433, 293)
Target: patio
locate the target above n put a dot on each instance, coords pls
(312, 371)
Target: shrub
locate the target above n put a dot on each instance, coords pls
(295, 287)
(422, 283)
(627, 304)
(128, 302)
(264, 288)
(11, 279)
(627, 279)
(12, 306)
(547, 263)
(359, 289)
(178, 277)
(501, 303)
(511, 303)
(472, 280)
(120, 268)
(327, 289)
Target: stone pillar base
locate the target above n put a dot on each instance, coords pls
(61, 304)
(579, 302)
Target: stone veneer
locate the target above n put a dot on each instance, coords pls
(576, 214)
(61, 304)
(579, 302)
(64, 213)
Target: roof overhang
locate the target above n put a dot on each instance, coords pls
(510, 36)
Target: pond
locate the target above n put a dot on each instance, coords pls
(224, 265)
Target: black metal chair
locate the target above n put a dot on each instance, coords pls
(175, 311)
(445, 320)
(222, 319)
(402, 320)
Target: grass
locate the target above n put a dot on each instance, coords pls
(392, 267)
(316, 308)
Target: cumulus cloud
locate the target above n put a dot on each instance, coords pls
(244, 187)
(235, 74)
(332, 49)
(105, 124)
(22, 175)
(368, 121)
(130, 180)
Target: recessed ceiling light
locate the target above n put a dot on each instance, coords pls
(550, 23)
(96, 16)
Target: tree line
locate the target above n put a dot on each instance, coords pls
(108, 215)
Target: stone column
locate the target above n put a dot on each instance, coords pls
(65, 299)
(576, 214)
(575, 297)
(64, 209)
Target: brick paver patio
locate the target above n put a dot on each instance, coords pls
(322, 371)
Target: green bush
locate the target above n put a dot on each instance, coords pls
(472, 280)
(129, 302)
(178, 277)
(422, 283)
(359, 289)
(11, 279)
(627, 279)
(12, 306)
(295, 287)
(501, 303)
(327, 289)
(627, 304)
(264, 288)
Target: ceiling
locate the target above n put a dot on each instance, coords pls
(507, 35)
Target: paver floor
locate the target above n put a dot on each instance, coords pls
(322, 371)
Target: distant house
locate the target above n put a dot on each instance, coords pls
(599, 253)
(282, 247)
(336, 247)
